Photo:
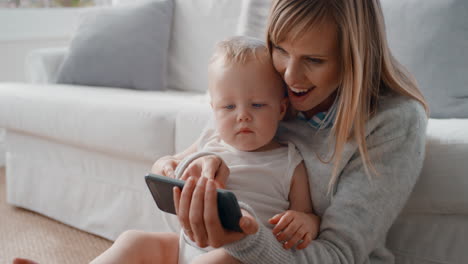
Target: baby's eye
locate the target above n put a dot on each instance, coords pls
(258, 105)
(230, 107)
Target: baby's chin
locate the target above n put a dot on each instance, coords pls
(245, 147)
(242, 147)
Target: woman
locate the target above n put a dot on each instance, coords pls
(360, 126)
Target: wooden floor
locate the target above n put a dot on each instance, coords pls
(29, 235)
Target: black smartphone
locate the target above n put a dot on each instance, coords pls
(161, 190)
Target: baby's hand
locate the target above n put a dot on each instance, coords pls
(211, 167)
(293, 226)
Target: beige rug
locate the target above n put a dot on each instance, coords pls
(30, 235)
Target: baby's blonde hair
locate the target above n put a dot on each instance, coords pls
(368, 68)
(240, 49)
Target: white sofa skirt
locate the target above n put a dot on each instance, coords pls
(91, 191)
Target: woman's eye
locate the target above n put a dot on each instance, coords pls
(279, 48)
(258, 105)
(229, 107)
(315, 60)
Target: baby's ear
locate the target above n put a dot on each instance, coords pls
(283, 107)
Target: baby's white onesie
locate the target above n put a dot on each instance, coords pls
(259, 179)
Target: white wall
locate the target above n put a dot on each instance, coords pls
(23, 30)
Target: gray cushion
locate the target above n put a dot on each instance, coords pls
(430, 37)
(123, 46)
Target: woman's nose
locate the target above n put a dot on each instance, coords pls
(293, 74)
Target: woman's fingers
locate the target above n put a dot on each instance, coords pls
(196, 216)
(176, 196)
(248, 223)
(213, 225)
(184, 206)
(217, 235)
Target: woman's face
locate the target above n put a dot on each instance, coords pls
(310, 67)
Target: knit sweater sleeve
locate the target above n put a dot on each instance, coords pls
(362, 209)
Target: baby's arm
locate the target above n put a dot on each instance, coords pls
(298, 223)
(214, 257)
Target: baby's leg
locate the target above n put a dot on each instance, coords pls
(142, 247)
(215, 257)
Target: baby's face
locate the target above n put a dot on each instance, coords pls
(248, 103)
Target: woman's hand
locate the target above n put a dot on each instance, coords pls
(197, 210)
(165, 166)
(294, 226)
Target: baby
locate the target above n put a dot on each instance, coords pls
(248, 101)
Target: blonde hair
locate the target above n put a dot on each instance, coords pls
(368, 68)
(240, 49)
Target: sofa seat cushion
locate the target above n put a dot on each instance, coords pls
(429, 239)
(442, 185)
(130, 123)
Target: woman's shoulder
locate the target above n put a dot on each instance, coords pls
(397, 115)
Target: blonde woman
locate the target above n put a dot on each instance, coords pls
(360, 126)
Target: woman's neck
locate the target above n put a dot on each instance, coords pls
(322, 107)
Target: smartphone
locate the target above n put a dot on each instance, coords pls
(161, 190)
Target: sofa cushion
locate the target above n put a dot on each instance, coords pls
(429, 239)
(130, 123)
(431, 39)
(197, 26)
(124, 46)
(442, 185)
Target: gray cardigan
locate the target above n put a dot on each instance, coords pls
(357, 217)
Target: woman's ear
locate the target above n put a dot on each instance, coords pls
(283, 107)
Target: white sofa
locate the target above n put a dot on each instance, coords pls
(78, 154)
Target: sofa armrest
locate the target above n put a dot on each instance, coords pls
(42, 65)
(443, 182)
